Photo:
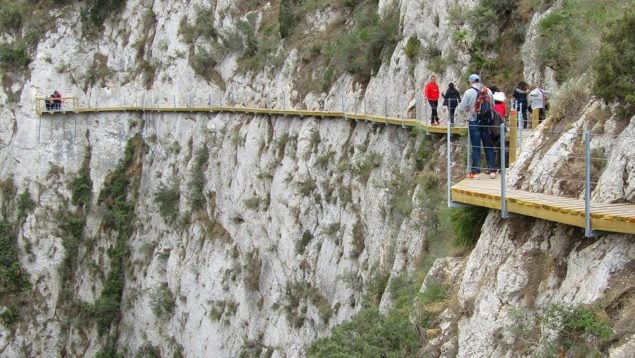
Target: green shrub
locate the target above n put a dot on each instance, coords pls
(286, 18)
(110, 349)
(25, 204)
(578, 327)
(252, 268)
(162, 302)
(10, 17)
(82, 185)
(168, 201)
(614, 65)
(9, 316)
(361, 52)
(197, 184)
(95, 13)
(363, 167)
(570, 36)
(301, 244)
(13, 278)
(14, 55)
(358, 243)
(466, 224)
(412, 47)
(369, 334)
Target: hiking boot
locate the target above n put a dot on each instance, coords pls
(492, 175)
(472, 175)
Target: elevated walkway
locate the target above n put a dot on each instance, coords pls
(488, 193)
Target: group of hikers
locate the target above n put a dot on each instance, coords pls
(54, 103)
(486, 110)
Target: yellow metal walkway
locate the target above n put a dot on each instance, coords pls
(404, 122)
(486, 192)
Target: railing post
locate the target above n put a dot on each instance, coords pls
(385, 107)
(469, 148)
(449, 166)
(513, 134)
(521, 125)
(588, 232)
(342, 101)
(503, 170)
(174, 101)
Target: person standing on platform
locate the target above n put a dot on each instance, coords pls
(479, 132)
(451, 99)
(431, 94)
(520, 96)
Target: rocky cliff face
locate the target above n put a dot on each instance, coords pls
(260, 233)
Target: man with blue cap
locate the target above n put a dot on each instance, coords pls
(478, 133)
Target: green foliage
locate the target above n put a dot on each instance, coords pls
(25, 204)
(95, 13)
(10, 17)
(615, 62)
(570, 36)
(361, 52)
(577, 326)
(286, 18)
(13, 278)
(9, 316)
(301, 244)
(118, 187)
(252, 268)
(197, 184)
(369, 334)
(412, 47)
(14, 55)
(110, 349)
(162, 302)
(203, 26)
(82, 185)
(363, 167)
(466, 224)
(148, 351)
(358, 234)
(168, 201)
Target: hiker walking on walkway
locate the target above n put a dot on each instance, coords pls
(480, 119)
(431, 94)
(451, 99)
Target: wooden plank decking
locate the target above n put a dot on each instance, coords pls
(486, 192)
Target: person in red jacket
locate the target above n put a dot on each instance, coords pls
(431, 94)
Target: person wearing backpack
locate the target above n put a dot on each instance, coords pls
(451, 99)
(431, 94)
(478, 102)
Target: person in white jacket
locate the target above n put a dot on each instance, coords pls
(538, 101)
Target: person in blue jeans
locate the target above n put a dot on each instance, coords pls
(478, 134)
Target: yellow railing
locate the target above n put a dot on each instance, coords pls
(55, 105)
(70, 104)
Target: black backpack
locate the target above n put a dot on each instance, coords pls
(483, 107)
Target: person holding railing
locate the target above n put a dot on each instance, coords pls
(477, 131)
(451, 99)
(57, 100)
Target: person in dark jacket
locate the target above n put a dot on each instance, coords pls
(520, 97)
(451, 99)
